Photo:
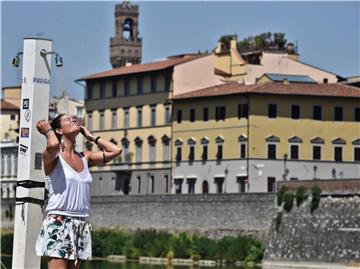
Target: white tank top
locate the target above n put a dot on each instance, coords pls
(69, 191)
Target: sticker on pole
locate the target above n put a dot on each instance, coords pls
(38, 161)
(23, 149)
(26, 103)
(27, 115)
(24, 132)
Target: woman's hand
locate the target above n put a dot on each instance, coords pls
(43, 126)
(86, 133)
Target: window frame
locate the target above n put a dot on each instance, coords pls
(272, 106)
(338, 117)
(192, 115)
(179, 115)
(317, 112)
(295, 115)
(291, 145)
(268, 144)
(342, 153)
(312, 151)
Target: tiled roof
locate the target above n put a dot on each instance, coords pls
(142, 68)
(8, 106)
(337, 90)
(290, 78)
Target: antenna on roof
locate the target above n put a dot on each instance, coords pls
(296, 47)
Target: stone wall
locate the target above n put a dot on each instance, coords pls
(330, 234)
(215, 215)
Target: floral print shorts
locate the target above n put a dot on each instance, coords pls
(64, 237)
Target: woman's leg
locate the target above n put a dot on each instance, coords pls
(57, 263)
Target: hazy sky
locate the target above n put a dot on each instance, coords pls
(327, 33)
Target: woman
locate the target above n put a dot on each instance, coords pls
(65, 233)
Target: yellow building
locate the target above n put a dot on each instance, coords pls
(9, 119)
(238, 138)
(130, 106)
(9, 136)
(12, 95)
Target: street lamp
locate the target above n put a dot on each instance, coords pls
(58, 58)
(43, 53)
(16, 59)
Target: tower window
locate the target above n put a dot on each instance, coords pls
(128, 29)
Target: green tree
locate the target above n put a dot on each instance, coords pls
(300, 195)
(266, 40)
(279, 40)
(225, 40)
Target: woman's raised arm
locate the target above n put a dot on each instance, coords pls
(52, 146)
(109, 152)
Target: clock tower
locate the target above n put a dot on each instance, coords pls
(125, 47)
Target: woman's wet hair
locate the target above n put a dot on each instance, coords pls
(55, 124)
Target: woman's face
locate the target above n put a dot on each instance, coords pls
(69, 125)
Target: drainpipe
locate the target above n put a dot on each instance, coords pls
(248, 142)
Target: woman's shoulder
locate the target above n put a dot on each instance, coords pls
(84, 155)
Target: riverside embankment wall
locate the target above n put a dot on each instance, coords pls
(213, 214)
(330, 234)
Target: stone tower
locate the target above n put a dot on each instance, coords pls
(125, 47)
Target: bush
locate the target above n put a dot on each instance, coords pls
(238, 248)
(278, 220)
(151, 243)
(315, 193)
(204, 247)
(7, 243)
(280, 194)
(227, 249)
(300, 196)
(108, 242)
(255, 255)
(181, 245)
(288, 201)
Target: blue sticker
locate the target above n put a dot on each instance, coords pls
(24, 132)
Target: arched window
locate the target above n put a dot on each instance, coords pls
(138, 145)
(128, 29)
(152, 148)
(126, 154)
(166, 147)
(205, 187)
